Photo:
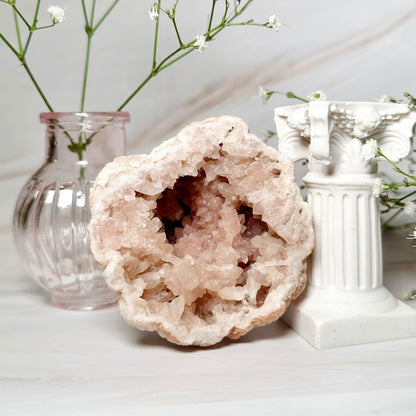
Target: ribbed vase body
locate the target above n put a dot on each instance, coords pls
(52, 212)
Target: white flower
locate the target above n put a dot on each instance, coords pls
(369, 149)
(316, 96)
(377, 187)
(409, 208)
(263, 94)
(412, 236)
(57, 14)
(383, 99)
(274, 22)
(153, 13)
(201, 43)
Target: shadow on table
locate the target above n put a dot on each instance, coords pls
(274, 330)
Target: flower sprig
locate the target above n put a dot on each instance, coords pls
(386, 190)
(411, 295)
(57, 15)
(228, 18)
(396, 205)
(218, 20)
(265, 94)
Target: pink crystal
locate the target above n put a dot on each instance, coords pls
(204, 238)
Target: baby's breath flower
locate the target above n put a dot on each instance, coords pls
(316, 96)
(409, 208)
(273, 22)
(411, 295)
(383, 99)
(369, 149)
(377, 187)
(57, 14)
(201, 43)
(263, 94)
(412, 100)
(153, 13)
(412, 236)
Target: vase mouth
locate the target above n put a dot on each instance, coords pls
(93, 117)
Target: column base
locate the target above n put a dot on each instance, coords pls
(335, 324)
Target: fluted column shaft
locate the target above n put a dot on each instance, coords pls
(347, 255)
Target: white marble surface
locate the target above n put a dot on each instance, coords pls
(55, 362)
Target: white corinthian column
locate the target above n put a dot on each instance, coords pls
(345, 301)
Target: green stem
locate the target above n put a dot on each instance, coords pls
(105, 15)
(34, 23)
(410, 97)
(92, 14)
(396, 168)
(399, 209)
(235, 6)
(19, 37)
(16, 52)
(157, 68)
(29, 38)
(84, 9)
(154, 72)
(175, 26)
(87, 63)
(386, 223)
(211, 16)
(155, 40)
(290, 94)
(90, 29)
(162, 67)
(16, 10)
(29, 72)
(35, 17)
(46, 27)
(227, 21)
(90, 32)
(177, 32)
(226, 7)
(171, 55)
(147, 79)
(298, 98)
(395, 186)
(22, 50)
(397, 201)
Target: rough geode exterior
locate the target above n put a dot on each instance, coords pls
(204, 238)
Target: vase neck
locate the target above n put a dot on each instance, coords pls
(89, 140)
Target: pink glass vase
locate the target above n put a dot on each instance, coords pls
(52, 211)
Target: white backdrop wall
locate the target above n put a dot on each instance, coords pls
(355, 50)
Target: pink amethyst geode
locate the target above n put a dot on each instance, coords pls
(204, 238)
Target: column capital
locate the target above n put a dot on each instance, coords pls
(330, 134)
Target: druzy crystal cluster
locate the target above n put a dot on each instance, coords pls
(204, 238)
